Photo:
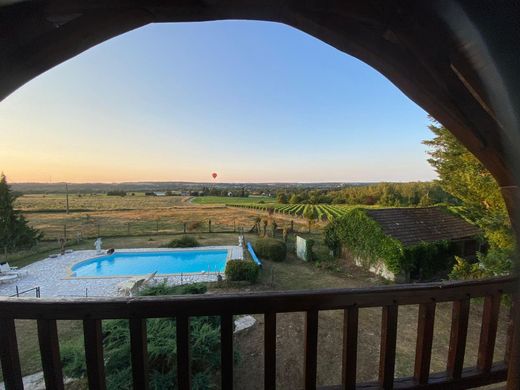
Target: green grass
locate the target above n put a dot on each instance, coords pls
(231, 199)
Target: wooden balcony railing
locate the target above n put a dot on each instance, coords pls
(137, 310)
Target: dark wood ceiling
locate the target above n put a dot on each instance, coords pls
(458, 60)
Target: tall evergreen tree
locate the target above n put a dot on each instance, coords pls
(462, 175)
(15, 233)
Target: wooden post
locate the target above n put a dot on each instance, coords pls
(67, 197)
(209, 225)
(234, 225)
(184, 225)
(511, 196)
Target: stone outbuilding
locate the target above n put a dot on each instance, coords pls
(419, 225)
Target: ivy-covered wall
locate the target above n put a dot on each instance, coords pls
(365, 239)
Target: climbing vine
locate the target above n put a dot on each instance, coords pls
(365, 239)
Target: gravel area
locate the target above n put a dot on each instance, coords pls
(52, 275)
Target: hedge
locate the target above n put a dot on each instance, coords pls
(182, 242)
(241, 270)
(270, 248)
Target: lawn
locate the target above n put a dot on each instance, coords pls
(231, 200)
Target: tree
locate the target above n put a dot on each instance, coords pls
(464, 177)
(15, 233)
(281, 197)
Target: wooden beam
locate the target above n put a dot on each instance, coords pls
(250, 303)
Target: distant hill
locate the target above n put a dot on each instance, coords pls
(35, 188)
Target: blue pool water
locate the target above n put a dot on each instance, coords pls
(141, 263)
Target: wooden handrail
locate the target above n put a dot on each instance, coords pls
(249, 303)
(93, 310)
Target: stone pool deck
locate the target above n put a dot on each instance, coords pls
(52, 275)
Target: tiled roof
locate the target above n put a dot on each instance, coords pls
(414, 225)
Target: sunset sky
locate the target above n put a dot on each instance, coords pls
(253, 101)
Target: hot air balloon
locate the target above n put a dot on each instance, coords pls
(214, 175)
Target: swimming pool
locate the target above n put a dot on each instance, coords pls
(162, 262)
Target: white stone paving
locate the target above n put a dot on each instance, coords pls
(52, 275)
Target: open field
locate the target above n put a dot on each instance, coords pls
(105, 216)
(91, 202)
(231, 199)
(290, 275)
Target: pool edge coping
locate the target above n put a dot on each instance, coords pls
(137, 250)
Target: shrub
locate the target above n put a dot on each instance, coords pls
(164, 289)
(182, 242)
(497, 262)
(194, 225)
(270, 248)
(116, 193)
(162, 352)
(242, 270)
(310, 253)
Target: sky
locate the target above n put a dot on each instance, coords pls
(252, 101)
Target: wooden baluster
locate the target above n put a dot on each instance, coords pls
(459, 331)
(50, 354)
(488, 332)
(311, 348)
(93, 338)
(139, 353)
(9, 355)
(270, 351)
(350, 336)
(513, 359)
(423, 348)
(226, 351)
(388, 345)
(183, 353)
(510, 328)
